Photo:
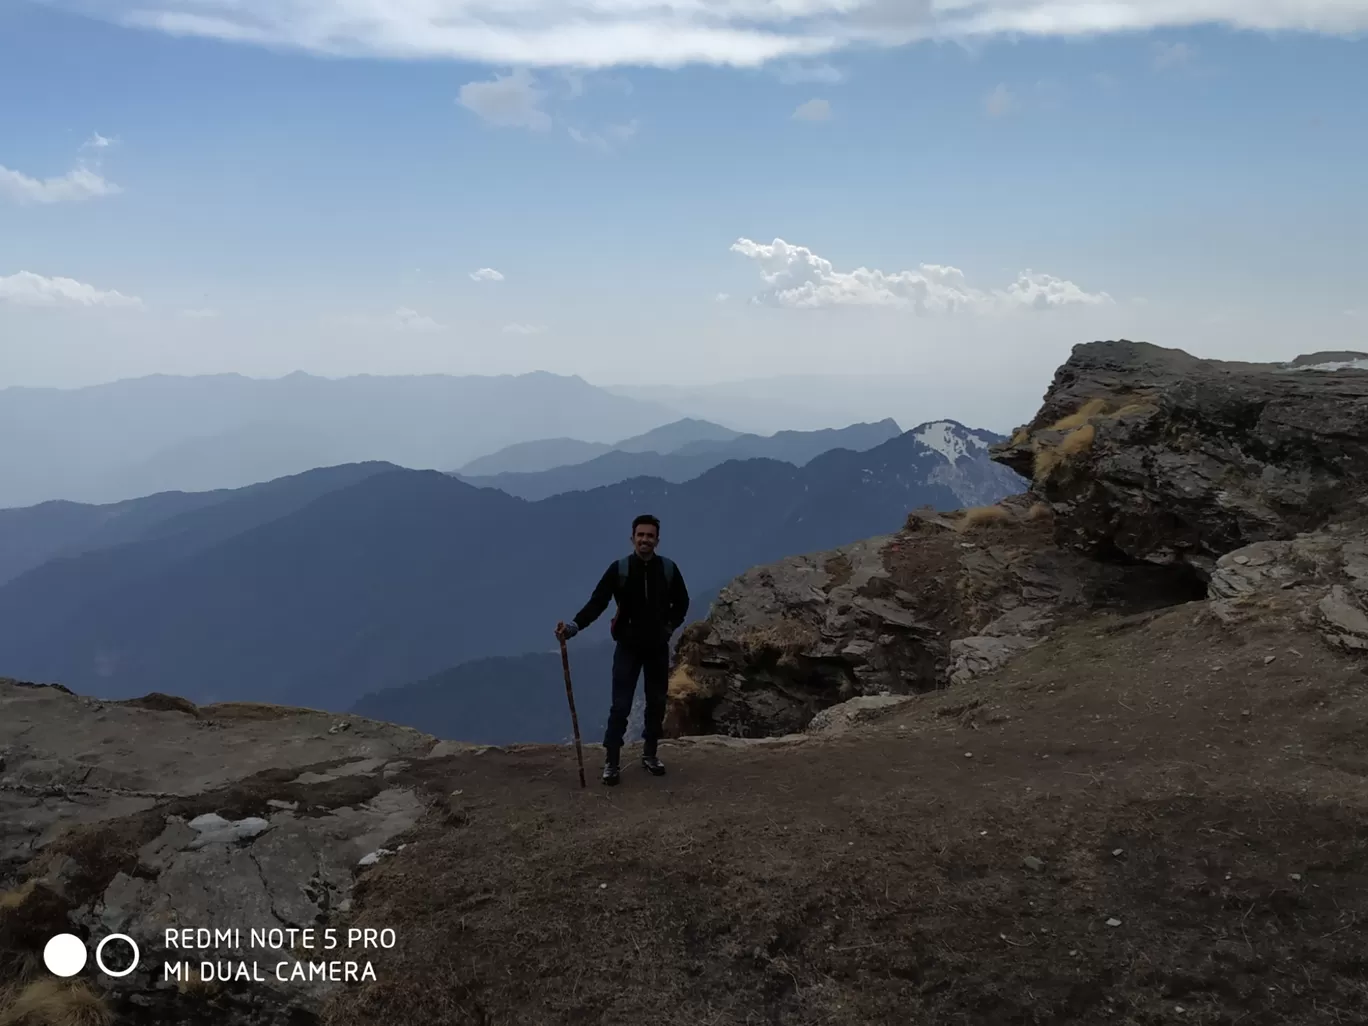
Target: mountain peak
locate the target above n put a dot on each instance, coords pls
(950, 438)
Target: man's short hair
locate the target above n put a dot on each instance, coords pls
(646, 518)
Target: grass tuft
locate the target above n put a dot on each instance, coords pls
(1078, 441)
(250, 711)
(982, 516)
(1081, 416)
(52, 1002)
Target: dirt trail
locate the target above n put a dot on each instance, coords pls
(1139, 822)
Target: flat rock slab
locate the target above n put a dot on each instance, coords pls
(217, 874)
(727, 741)
(71, 760)
(862, 710)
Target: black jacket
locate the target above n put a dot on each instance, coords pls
(649, 610)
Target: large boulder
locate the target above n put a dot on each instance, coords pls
(1153, 454)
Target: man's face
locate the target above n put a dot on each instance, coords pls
(644, 540)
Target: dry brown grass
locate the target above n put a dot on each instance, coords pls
(1047, 458)
(839, 569)
(980, 517)
(250, 711)
(29, 915)
(10, 900)
(1093, 409)
(53, 1002)
(1129, 408)
(1077, 441)
(1045, 462)
(160, 702)
(194, 985)
(780, 636)
(684, 685)
(1081, 416)
(1039, 511)
(1021, 436)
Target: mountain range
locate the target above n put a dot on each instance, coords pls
(32, 535)
(506, 699)
(550, 453)
(140, 436)
(338, 582)
(687, 461)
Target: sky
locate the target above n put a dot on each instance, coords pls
(676, 192)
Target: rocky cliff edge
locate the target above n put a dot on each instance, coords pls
(1151, 470)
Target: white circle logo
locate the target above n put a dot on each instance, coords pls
(99, 950)
(64, 955)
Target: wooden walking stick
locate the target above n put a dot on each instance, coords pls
(570, 696)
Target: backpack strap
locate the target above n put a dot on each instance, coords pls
(624, 566)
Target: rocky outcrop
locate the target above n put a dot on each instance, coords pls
(1319, 578)
(945, 599)
(139, 817)
(1152, 454)
(1154, 475)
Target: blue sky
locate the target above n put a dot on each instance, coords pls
(195, 185)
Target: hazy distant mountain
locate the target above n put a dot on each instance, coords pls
(112, 442)
(809, 401)
(504, 699)
(32, 535)
(406, 573)
(536, 456)
(516, 699)
(677, 435)
(548, 453)
(689, 461)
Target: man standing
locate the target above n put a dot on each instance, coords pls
(651, 605)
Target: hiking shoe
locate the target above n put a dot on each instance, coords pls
(611, 773)
(653, 765)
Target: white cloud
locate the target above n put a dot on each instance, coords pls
(669, 33)
(798, 277)
(721, 297)
(813, 110)
(486, 274)
(1000, 102)
(81, 183)
(1045, 292)
(523, 329)
(28, 289)
(72, 187)
(512, 101)
(406, 319)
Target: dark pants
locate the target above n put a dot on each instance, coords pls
(629, 662)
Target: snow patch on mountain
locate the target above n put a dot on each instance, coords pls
(952, 440)
(1334, 365)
